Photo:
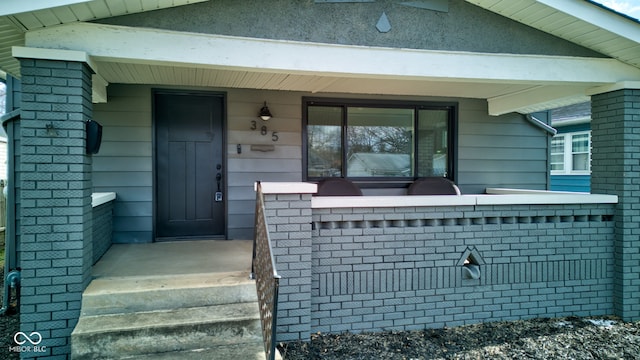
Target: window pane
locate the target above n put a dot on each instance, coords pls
(433, 143)
(324, 137)
(581, 162)
(580, 152)
(557, 153)
(580, 143)
(379, 142)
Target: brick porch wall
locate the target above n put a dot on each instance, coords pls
(401, 268)
(102, 229)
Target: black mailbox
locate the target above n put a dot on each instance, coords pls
(94, 136)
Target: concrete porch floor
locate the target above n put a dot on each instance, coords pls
(175, 258)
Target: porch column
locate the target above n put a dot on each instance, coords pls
(53, 200)
(615, 165)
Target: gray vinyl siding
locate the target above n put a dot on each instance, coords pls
(513, 148)
(124, 163)
(499, 151)
(244, 169)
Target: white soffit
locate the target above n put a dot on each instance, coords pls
(64, 12)
(509, 82)
(580, 22)
(18, 16)
(10, 7)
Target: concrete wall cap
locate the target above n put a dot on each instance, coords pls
(100, 198)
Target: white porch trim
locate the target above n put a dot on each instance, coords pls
(614, 87)
(142, 45)
(535, 82)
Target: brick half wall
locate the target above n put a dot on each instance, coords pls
(102, 229)
(403, 268)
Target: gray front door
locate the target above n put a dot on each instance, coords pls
(188, 165)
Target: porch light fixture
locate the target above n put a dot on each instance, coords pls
(265, 114)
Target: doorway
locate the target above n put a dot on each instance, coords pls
(189, 165)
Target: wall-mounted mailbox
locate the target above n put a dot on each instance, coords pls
(263, 148)
(94, 136)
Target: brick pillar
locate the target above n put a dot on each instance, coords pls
(289, 220)
(53, 201)
(615, 165)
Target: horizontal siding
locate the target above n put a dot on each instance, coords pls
(499, 151)
(503, 151)
(579, 183)
(244, 169)
(124, 163)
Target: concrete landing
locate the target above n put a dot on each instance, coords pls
(175, 258)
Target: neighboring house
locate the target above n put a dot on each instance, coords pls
(571, 148)
(178, 86)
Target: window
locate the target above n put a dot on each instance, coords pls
(557, 153)
(570, 153)
(386, 141)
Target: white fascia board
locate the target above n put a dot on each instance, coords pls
(536, 97)
(577, 10)
(614, 87)
(161, 47)
(597, 16)
(10, 7)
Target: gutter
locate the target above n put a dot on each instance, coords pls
(551, 131)
(11, 271)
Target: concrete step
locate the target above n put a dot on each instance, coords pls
(228, 328)
(114, 295)
(231, 352)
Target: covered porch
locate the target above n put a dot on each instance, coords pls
(342, 255)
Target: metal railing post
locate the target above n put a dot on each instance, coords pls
(263, 270)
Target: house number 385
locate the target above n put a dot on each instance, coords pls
(264, 131)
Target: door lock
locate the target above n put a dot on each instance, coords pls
(218, 196)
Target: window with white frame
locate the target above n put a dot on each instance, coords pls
(571, 153)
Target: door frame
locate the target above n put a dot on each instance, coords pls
(154, 172)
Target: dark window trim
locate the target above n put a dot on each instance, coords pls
(382, 182)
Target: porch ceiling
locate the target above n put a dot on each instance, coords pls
(523, 83)
(132, 73)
